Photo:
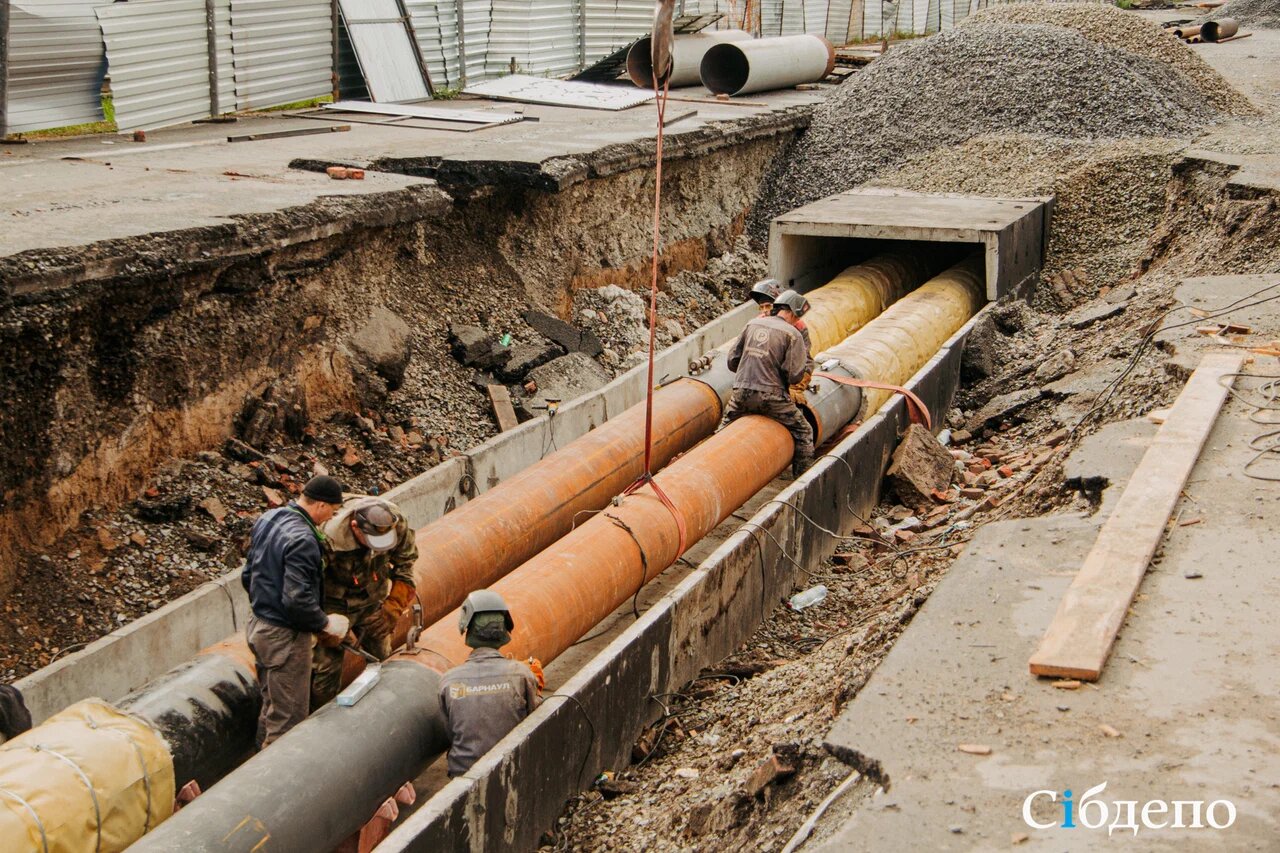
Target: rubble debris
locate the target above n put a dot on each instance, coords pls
(920, 467)
(384, 345)
(562, 379)
(214, 508)
(573, 340)
(1002, 408)
(1090, 314)
(162, 509)
(1056, 366)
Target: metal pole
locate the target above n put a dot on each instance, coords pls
(4, 68)
(462, 45)
(582, 34)
(337, 50)
(211, 38)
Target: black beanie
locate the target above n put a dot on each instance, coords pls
(323, 488)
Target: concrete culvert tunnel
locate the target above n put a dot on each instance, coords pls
(762, 661)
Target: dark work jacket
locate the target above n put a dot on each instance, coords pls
(770, 355)
(284, 572)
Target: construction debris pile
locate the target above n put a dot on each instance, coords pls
(989, 78)
(1264, 14)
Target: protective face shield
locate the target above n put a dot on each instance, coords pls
(378, 524)
(483, 601)
(793, 301)
(765, 291)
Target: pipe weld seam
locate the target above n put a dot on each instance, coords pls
(44, 837)
(644, 559)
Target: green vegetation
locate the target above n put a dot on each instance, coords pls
(106, 126)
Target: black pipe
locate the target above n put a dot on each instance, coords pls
(207, 711)
(294, 794)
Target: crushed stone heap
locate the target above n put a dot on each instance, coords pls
(992, 78)
(1263, 14)
(1116, 28)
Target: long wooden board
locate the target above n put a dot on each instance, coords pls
(1080, 637)
(500, 397)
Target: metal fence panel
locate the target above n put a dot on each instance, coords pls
(539, 36)
(157, 52)
(283, 51)
(387, 56)
(612, 24)
(435, 25)
(55, 65)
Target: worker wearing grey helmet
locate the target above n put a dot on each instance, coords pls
(764, 292)
(770, 357)
(488, 695)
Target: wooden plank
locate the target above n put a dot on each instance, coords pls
(502, 409)
(1080, 637)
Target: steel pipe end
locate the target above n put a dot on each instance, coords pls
(831, 56)
(640, 63)
(1223, 28)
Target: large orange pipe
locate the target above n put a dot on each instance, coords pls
(556, 597)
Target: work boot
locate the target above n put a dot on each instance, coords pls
(799, 465)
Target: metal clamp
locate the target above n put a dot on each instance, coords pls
(415, 631)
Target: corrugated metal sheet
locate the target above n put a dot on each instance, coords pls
(283, 51)
(55, 65)
(387, 56)
(157, 52)
(612, 24)
(540, 90)
(435, 24)
(541, 36)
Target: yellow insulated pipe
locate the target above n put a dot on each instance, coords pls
(903, 338)
(860, 294)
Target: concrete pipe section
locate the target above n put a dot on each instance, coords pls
(740, 68)
(686, 54)
(1223, 28)
(206, 710)
(302, 793)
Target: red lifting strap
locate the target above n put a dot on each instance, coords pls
(917, 411)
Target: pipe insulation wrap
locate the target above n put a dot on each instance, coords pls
(60, 792)
(323, 779)
(740, 68)
(687, 51)
(900, 341)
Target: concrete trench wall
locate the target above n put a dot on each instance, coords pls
(129, 657)
(513, 794)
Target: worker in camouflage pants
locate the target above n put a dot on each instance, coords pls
(368, 578)
(769, 358)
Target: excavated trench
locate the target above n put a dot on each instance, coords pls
(125, 357)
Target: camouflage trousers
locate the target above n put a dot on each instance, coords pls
(374, 633)
(780, 408)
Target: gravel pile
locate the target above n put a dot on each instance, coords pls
(994, 78)
(1110, 26)
(1264, 14)
(1109, 198)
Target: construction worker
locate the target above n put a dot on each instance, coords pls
(769, 357)
(488, 695)
(368, 579)
(799, 307)
(284, 576)
(763, 293)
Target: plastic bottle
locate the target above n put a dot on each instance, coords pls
(811, 596)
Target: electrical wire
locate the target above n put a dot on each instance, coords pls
(1106, 394)
(590, 724)
(1265, 444)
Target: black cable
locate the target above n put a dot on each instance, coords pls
(591, 724)
(1105, 395)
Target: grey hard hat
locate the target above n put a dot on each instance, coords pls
(765, 290)
(792, 300)
(483, 601)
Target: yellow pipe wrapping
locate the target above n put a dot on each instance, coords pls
(61, 793)
(858, 295)
(893, 346)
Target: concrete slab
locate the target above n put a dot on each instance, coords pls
(1108, 456)
(1010, 231)
(191, 176)
(1193, 686)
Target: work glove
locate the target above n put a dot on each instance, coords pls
(796, 392)
(335, 630)
(398, 601)
(536, 666)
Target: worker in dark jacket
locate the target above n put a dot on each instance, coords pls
(488, 695)
(769, 357)
(284, 576)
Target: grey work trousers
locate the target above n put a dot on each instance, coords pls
(748, 401)
(283, 656)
